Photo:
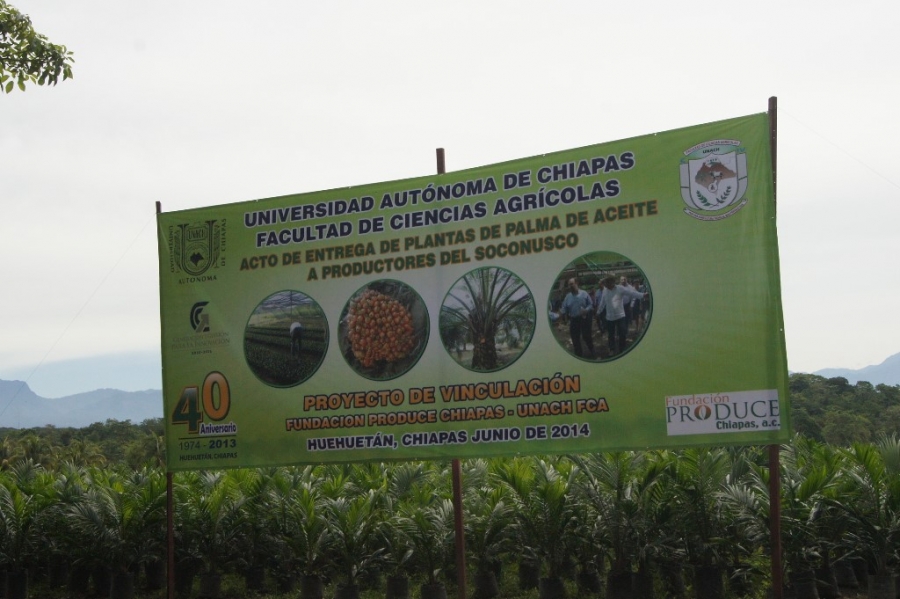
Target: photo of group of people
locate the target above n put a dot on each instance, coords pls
(600, 306)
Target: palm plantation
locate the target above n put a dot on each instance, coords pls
(648, 524)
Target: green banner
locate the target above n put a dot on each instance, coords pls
(622, 295)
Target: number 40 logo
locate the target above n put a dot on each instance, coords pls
(213, 402)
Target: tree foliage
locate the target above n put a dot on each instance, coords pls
(103, 443)
(834, 411)
(26, 56)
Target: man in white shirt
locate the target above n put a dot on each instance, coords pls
(613, 302)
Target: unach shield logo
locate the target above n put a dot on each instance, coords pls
(713, 177)
(196, 246)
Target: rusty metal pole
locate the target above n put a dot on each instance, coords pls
(170, 518)
(774, 450)
(775, 521)
(460, 532)
(457, 479)
(441, 164)
(773, 145)
(170, 538)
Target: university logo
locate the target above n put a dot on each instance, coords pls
(714, 179)
(196, 247)
(199, 319)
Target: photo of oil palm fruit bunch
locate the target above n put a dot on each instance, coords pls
(383, 330)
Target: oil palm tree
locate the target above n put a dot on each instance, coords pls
(480, 305)
(122, 518)
(488, 531)
(809, 474)
(62, 548)
(546, 513)
(353, 527)
(658, 545)
(427, 521)
(405, 483)
(19, 536)
(632, 499)
(606, 484)
(10, 452)
(26, 500)
(297, 512)
(256, 540)
(869, 495)
(207, 526)
(80, 453)
(701, 474)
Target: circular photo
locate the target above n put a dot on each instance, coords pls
(286, 339)
(487, 319)
(383, 330)
(600, 306)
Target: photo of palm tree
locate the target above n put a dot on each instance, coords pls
(487, 319)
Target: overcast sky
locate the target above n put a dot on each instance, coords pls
(203, 102)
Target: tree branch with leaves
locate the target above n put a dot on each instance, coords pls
(26, 56)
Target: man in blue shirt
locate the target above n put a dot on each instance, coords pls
(577, 305)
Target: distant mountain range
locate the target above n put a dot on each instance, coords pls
(20, 407)
(887, 373)
(127, 370)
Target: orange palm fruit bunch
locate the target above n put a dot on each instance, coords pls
(379, 328)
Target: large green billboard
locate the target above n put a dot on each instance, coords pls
(622, 295)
